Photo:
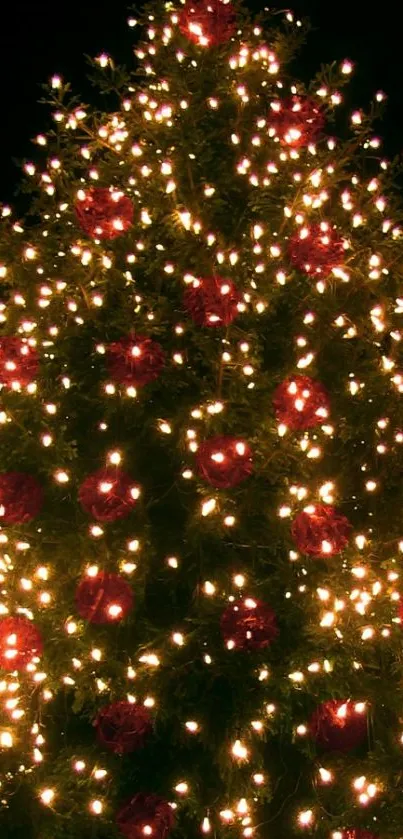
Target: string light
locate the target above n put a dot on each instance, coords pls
(47, 796)
(353, 598)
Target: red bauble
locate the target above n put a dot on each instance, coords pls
(207, 23)
(105, 598)
(18, 362)
(224, 461)
(316, 250)
(357, 833)
(21, 497)
(320, 530)
(297, 121)
(123, 726)
(103, 213)
(20, 642)
(145, 815)
(300, 403)
(212, 301)
(134, 361)
(108, 494)
(248, 624)
(338, 726)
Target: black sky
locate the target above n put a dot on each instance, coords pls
(40, 38)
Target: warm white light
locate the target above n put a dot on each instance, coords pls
(305, 818)
(325, 776)
(47, 796)
(79, 765)
(172, 562)
(239, 750)
(182, 787)
(178, 639)
(6, 740)
(192, 726)
(208, 506)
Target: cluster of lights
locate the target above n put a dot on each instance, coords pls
(262, 162)
(365, 790)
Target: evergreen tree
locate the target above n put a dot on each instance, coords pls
(200, 487)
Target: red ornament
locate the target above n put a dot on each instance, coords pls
(105, 598)
(21, 497)
(358, 833)
(108, 494)
(123, 726)
(134, 361)
(104, 213)
(297, 121)
(207, 23)
(145, 815)
(300, 403)
(18, 362)
(212, 301)
(339, 726)
(20, 642)
(224, 461)
(320, 530)
(248, 624)
(317, 250)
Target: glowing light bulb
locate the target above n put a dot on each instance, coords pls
(178, 639)
(239, 750)
(208, 506)
(192, 726)
(47, 796)
(6, 740)
(79, 765)
(305, 818)
(182, 787)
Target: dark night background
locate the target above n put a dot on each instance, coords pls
(41, 38)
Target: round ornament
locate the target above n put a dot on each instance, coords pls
(320, 530)
(224, 462)
(21, 497)
(20, 642)
(248, 624)
(145, 815)
(134, 362)
(339, 726)
(19, 362)
(103, 598)
(212, 301)
(300, 403)
(208, 23)
(123, 726)
(103, 213)
(108, 494)
(297, 121)
(316, 250)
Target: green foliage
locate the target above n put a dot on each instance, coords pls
(140, 278)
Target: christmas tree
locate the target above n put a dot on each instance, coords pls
(200, 487)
